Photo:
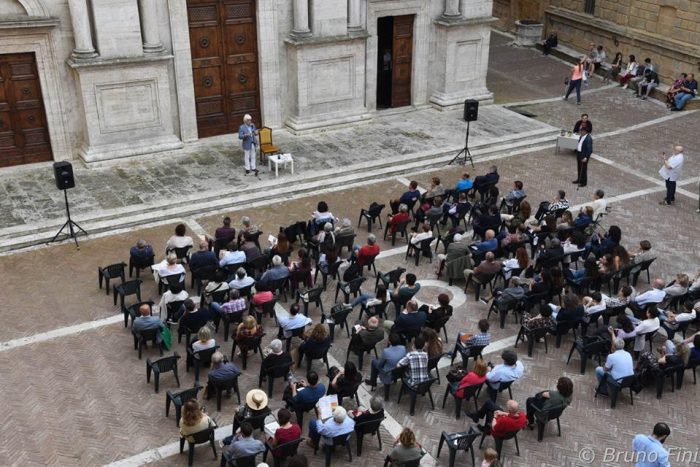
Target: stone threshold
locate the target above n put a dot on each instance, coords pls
(23, 236)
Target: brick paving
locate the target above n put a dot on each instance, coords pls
(87, 402)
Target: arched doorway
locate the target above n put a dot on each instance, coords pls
(224, 45)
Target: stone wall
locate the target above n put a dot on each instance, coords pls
(667, 31)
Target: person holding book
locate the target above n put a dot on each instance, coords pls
(284, 431)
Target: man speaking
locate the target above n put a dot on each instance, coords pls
(583, 154)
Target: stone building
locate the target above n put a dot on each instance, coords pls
(667, 31)
(103, 79)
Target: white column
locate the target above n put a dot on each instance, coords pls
(451, 8)
(80, 20)
(354, 15)
(301, 18)
(149, 26)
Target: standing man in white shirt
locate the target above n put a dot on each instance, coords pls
(671, 172)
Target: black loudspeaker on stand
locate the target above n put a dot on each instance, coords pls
(471, 113)
(63, 173)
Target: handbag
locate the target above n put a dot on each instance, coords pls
(166, 338)
(455, 375)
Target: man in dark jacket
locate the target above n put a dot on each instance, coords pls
(583, 154)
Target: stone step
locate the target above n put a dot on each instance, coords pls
(271, 190)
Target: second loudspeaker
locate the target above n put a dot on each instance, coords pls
(471, 110)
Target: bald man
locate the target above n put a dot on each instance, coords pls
(246, 133)
(366, 336)
(671, 172)
(146, 322)
(497, 422)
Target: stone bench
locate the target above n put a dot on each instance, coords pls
(659, 93)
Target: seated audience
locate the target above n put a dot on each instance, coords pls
(382, 366)
(417, 363)
(465, 183)
(687, 91)
(339, 424)
(304, 393)
(146, 322)
(618, 365)
(406, 449)
(242, 280)
(203, 258)
(286, 433)
(179, 240)
(141, 253)
(221, 371)
(243, 444)
(193, 420)
(510, 370)
(498, 423)
(295, 320)
(547, 400)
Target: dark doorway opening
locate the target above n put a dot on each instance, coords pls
(394, 61)
(385, 28)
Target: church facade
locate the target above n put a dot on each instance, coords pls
(97, 80)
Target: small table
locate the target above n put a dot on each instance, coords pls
(278, 159)
(567, 142)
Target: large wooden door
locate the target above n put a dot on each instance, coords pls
(24, 134)
(402, 61)
(223, 39)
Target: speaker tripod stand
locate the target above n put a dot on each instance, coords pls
(72, 226)
(464, 152)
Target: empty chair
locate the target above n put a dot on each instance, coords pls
(392, 277)
(643, 266)
(183, 253)
(339, 316)
(110, 272)
(532, 336)
(178, 398)
(123, 290)
(370, 427)
(456, 442)
(205, 273)
(162, 365)
(591, 348)
(266, 145)
(312, 296)
(349, 288)
(373, 214)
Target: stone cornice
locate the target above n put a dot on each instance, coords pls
(450, 22)
(650, 39)
(315, 40)
(104, 62)
(23, 22)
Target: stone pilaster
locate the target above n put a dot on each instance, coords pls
(354, 16)
(451, 9)
(301, 19)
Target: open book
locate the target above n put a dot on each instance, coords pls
(326, 405)
(271, 428)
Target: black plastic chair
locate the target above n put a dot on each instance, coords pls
(246, 345)
(142, 337)
(378, 309)
(350, 392)
(178, 398)
(433, 365)
(615, 388)
(317, 355)
(123, 290)
(373, 214)
(198, 359)
(691, 365)
(674, 373)
(171, 310)
(593, 349)
(171, 282)
(139, 264)
(338, 317)
(470, 393)
(344, 241)
(643, 266)
(422, 249)
(110, 272)
(279, 288)
(532, 335)
(499, 442)
(441, 324)
(502, 309)
(296, 332)
(349, 288)
(458, 442)
(201, 437)
(205, 273)
(341, 440)
(272, 373)
(257, 265)
(360, 352)
(401, 228)
(488, 281)
(391, 277)
(396, 374)
(501, 388)
(330, 270)
(284, 451)
(230, 318)
(314, 296)
(466, 353)
(562, 328)
(544, 416)
(419, 389)
(229, 384)
(370, 427)
(246, 461)
(162, 365)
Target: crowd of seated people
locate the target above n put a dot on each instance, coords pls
(538, 255)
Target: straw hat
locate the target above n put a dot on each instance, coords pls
(256, 399)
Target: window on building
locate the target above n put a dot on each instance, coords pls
(590, 7)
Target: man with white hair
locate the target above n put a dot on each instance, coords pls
(246, 133)
(497, 422)
(618, 365)
(671, 172)
(366, 336)
(338, 424)
(276, 272)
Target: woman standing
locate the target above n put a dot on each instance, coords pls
(576, 79)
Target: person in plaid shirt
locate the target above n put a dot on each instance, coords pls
(236, 304)
(417, 362)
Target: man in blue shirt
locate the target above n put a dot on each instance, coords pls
(339, 424)
(243, 444)
(688, 91)
(233, 257)
(465, 183)
(246, 133)
(649, 450)
(295, 320)
(409, 321)
(203, 257)
(618, 365)
(305, 393)
(510, 370)
(276, 272)
(146, 322)
(382, 366)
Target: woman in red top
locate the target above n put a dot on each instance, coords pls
(402, 216)
(475, 377)
(287, 432)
